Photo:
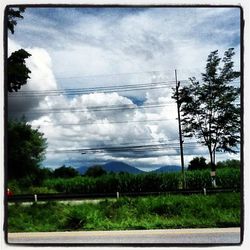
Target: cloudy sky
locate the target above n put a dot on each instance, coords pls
(102, 78)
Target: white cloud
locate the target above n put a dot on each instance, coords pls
(89, 128)
(40, 65)
(66, 50)
(41, 78)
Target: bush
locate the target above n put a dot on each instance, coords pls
(75, 219)
(40, 190)
(14, 186)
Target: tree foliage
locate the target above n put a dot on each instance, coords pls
(25, 151)
(95, 171)
(208, 108)
(12, 16)
(17, 71)
(198, 163)
(229, 164)
(65, 172)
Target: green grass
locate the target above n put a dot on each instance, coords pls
(170, 211)
(127, 183)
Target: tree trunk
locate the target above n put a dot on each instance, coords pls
(213, 167)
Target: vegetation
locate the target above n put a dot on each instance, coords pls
(209, 110)
(228, 176)
(229, 164)
(150, 182)
(175, 211)
(112, 182)
(25, 151)
(65, 172)
(17, 71)
(198, 163)
(12, 16)
(95, 171)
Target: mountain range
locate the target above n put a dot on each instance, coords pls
(118, 166)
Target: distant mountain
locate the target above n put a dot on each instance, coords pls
(118, 166)
(168, 169)
(82, 169)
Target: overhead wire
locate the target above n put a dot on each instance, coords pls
(107, 89)
(102, 89)
(97, 89)
(98, 108)
(121, 148)
(102, 123)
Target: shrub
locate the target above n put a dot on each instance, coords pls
(75, 219)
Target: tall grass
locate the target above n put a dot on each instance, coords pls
(165, 211)
(149, 182)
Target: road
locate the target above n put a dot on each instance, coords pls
(169, 236)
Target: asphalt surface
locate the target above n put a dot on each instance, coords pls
(170, 236)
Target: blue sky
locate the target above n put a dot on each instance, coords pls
(101, 47)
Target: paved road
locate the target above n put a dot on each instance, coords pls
(173, 236)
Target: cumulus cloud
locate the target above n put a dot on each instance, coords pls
(41, 78)
(83, 48)
(85, 121)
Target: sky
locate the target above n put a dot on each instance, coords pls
(103, 78)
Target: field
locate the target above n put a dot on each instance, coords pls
(154, 212)
(129, 183)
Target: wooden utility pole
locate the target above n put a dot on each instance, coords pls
(180, 131)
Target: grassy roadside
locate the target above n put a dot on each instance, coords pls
(170, 211)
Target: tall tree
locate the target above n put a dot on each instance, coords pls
(209, 108)
(198, 163)
(95, 171)
(17, 71)
(12, 16)
(25, 150)
(65, 172)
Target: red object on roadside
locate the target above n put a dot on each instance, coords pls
(9, 192)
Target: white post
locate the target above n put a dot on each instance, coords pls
(205, 191)
(35, 197)
(117, 195)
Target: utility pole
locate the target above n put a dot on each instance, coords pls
(180, 131)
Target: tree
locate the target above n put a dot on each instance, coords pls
(95, 171)
(25, 151)
(228, 164)
(209, 109)
(17, 71)
(12, 16)
(198, 163)
(65, 172)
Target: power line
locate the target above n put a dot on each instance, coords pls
(98, 108)
(103, 123)
(133, 148)
(105, 89)
(125, 87)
